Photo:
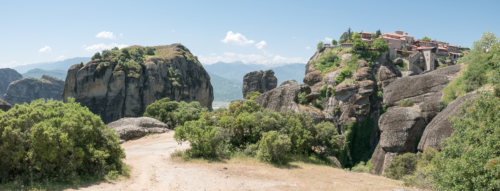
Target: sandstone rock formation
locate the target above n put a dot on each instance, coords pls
(440, 127)
(401, 128)
(386, 75)
(113, 89)
(7, 76)
(259, 81)
(289, 82)
(28, 89)
(283, 98)
(4, 105)
(133, 128)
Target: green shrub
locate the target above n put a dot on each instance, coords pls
(324, 91)
(302, 98)
(344, 73)
(357, 148)
(150, 50)
(327, 62)
(97, 55)
(470, 159)
(326, 137)
(174, 113)
(442, 60)
(442, 66)
(380, 95)
(253, 95)
(401, 166)
(361, 167)
(52, 140)
(319, 46)
(442, 106)
(496, 91)
(406, 103)
(422, 177)
(274, 147)
(204, 139)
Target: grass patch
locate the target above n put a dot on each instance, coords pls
(406, 103)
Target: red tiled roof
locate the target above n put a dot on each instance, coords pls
(424, 48)
(364, 32)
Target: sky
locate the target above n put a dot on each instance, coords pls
(263, 32)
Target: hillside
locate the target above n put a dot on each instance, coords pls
(38, 73)
(225, 90)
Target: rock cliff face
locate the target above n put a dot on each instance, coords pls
(283, 98)
(133, 128)
(124, 82)
(440, 127)
(259, 81)
(28, 89)
(7, 76)
(4, 105)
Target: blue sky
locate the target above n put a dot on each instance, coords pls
(36, 31)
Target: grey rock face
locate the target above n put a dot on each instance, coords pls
(4, 105)
(386, 75)
(111, 92)
(29, 89)
(400, 130)
(289, 82)
(440, 127)
(7, 76)
(258, 81)
(283, 98)
(133, 128)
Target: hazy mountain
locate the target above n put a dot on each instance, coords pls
(236, 71)
(38, 73)
(60, 65)
(225, 90)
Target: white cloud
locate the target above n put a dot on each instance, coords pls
(308, 48)
(261, 44)
(60, 57)
(281, 59)
(102, 46)
(45, 49)
(237, 39)
(328, 39)
(105, 34)
(173, 30)
(121, 35)
(213, 54)
(293, 37)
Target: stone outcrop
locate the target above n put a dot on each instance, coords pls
(133, 128)
(400, 128)
(440, 127)
(289, 82)
(113, 91)
(261, 81)
(283, 98)
(7, 76)
(386, 75)
(28, 89)
(4, 106)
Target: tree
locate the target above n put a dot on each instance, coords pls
(488, 40)
(320, 47)
(358, 43)
(355, 36)
(342, 40)
(381, 45)
(349, 33)
(426, 39)
(470, 160)
(405, 51)
(374, 36)
(334, 42)
(378, 33)
(253, 95)
(97, 55)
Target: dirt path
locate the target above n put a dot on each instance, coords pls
(153, 169)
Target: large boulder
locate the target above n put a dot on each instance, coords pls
(113, 91)
(260, 81)
(283, 98)
(440, 127)
(386, 75)
(400, 130)
(28, 89)
(4, 105)
(7, 76)
(133, 128)
(289, 82)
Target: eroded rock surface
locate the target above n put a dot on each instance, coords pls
(28, 89)
(283, 98)
(260, 81)
(440, 127)
(7, 76)
(4, 105)
(114, 91)
(133, 128)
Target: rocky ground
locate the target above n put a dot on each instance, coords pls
(153, 169)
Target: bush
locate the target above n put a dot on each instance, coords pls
(150, 50)
(319, 46)
(470, 160)
(442, 66)
(401, 166)
(442, 106)
(174, 113)
(97, 55)
(52, 140)
(204, 139)
(406, 103)
(344, 73)
(357, 136)
(326, 139)
(496, 91)
(422, 177)
(361, 167)
(253, 95)
(274, 147)
(327, 62)
(380, 95)
(302, 98)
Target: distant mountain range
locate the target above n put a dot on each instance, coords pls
(236, 70)
(226, 78)
(60, 65)
(38, 73)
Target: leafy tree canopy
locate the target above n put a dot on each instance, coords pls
(426, 39)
